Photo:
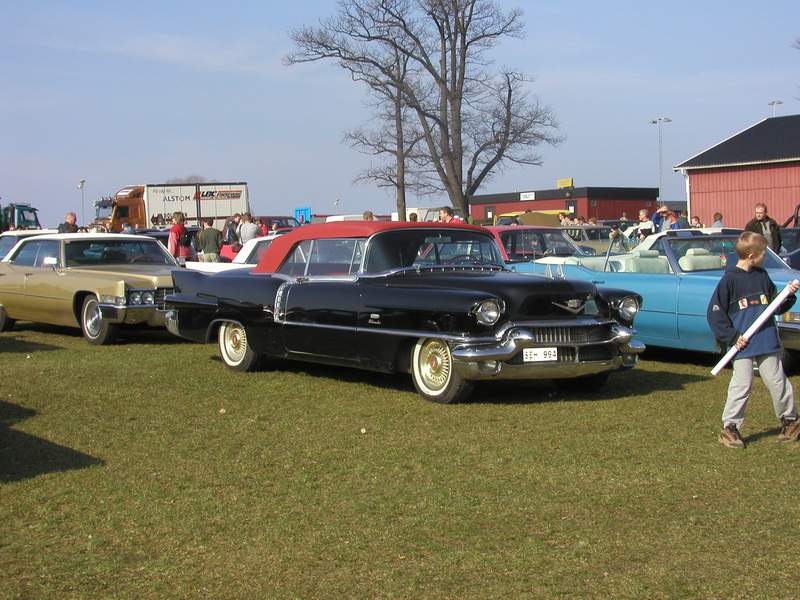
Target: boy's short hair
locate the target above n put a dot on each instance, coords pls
(749, 243)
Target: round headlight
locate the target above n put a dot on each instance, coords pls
(136, 298)
(488, 312)
(148, 298)
(628, 308)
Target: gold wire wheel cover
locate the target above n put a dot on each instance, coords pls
(234, 342)
(435, 365)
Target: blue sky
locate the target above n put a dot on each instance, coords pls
(121, 93)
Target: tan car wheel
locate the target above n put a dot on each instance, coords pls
(433, 374)
(95, 329)
(236, 353)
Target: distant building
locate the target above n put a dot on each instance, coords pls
(759, 164)
(600, 202)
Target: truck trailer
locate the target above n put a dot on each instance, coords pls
(152, 205)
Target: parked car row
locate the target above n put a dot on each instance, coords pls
(436, 301)
(450, 304)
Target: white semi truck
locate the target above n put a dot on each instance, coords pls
(153, 205)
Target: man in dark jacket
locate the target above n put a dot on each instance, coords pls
(766, 226)
(69, 225)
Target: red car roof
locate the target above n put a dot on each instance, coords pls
(273, 258)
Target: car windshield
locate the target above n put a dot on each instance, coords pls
(27, 218)
(713, 253)
(84, 253)
(790, 238)
(6, 243)
(524, 244)
(598, 233)
(426, 247)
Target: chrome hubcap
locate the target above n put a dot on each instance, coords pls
(235, 343)
(93, 319)
(435, 364)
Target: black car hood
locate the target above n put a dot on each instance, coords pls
(526, 296)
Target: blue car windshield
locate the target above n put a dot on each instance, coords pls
(426, 247)
(713, 254)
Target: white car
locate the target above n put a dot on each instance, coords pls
(8, 239)
(247, 258)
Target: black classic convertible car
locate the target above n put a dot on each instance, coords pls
(430, 299)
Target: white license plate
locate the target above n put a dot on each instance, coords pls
(539, 354)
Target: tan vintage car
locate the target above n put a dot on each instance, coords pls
(97, 282)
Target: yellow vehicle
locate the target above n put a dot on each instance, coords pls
(97, 282)
(543, 218)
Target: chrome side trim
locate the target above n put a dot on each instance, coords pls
(397, 332)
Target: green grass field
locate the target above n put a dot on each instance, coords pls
(146, 469)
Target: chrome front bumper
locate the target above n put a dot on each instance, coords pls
(131, 315)
(490, 361)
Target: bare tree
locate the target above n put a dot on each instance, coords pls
(472, 120)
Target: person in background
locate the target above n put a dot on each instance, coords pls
(209, 241)
(263, 227)
(741, 296)
(178, 243)
(592, 220)
(367, 215)
(69, 226)
(563, 219)
(658, 218)
(618, 242)
(766, 226)
(413, 217)
(696, 224)
(580, 221)
(274, 226)
(232, 230)
(248, 230)
(646, 226)
(624, 216)
(681, 220)
(127, 228)
(717, 220)
(446, 215)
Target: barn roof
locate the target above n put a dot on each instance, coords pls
(775, 139)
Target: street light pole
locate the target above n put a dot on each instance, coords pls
(773, 104)
(81, 187)
(660, 121)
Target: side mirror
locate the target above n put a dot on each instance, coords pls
(50, 261)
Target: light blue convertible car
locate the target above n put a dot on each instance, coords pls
(675, 272)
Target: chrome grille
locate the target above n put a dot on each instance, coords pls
(160, 294)
(570, 335)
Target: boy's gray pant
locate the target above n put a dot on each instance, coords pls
(771, 370)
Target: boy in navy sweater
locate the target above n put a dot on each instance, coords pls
(741, 296)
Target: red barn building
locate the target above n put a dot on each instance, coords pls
(759, 164)
(600, 202)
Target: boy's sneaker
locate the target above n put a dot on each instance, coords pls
(730, 437)
(790, 430)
